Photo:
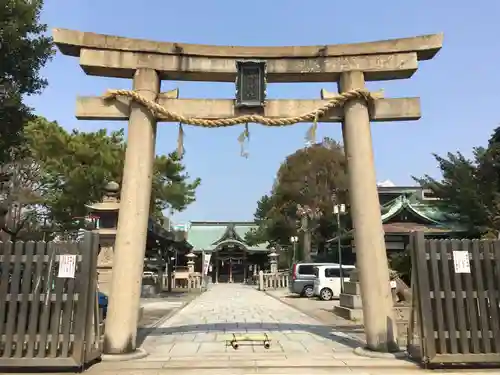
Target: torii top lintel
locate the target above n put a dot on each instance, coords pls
(113, 56)
(70, 42)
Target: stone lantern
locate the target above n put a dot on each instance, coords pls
(106, 213)
(190, 262)
(273, 260)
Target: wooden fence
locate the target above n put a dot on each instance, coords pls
(47, 317)
(456, 310)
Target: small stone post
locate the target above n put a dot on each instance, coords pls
(261, 280)
(217, 265)
(230, 270)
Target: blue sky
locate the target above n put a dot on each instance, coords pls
(459, 87)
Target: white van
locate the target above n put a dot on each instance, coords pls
(327, 283)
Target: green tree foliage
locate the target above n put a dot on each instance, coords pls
(24, 50)
(270, 228)
(314, 177)
(469, 189)
(20, 190)
(76, 166)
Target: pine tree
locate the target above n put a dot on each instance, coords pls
(24, 50)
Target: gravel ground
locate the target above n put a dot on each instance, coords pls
(151, 317)
(321, 310)
(163, 306)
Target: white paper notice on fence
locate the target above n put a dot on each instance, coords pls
(67, 266)
(461, 261)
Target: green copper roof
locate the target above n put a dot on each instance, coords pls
(425, 210)
(201, 237)
(411, 203)
(434, 220)
(209, 236)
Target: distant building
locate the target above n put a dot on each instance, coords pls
(232, 258)
(406, 209)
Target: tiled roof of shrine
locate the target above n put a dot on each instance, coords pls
(425, 211)
(409, 212)
(212, 235)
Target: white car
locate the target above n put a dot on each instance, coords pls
(327, 283)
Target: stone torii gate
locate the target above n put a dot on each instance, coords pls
(148, 62)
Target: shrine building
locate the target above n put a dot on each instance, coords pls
(406, 209)
(232, 258)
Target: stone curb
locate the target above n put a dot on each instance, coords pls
(344, 365)
(174, 312)
(364, 352)
(284, 364)
(168, 315)
(139, 353)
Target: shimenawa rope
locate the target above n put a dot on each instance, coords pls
(315, 115)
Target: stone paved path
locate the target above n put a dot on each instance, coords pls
(199, 330)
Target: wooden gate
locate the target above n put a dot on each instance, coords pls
(455, 316)
(47, 320)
